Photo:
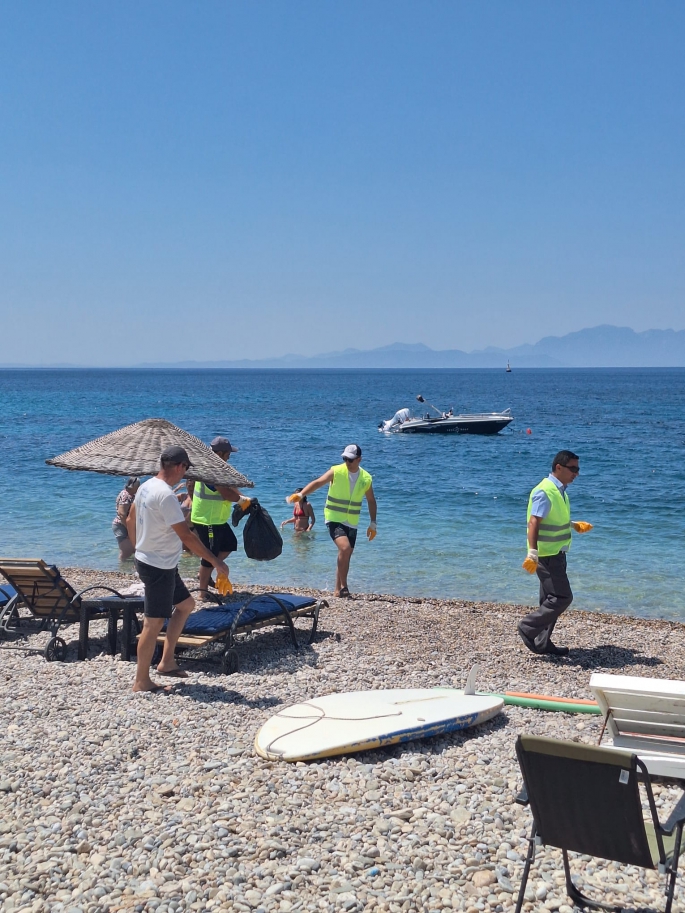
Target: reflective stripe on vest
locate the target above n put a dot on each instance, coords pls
(554, 532)
(209, 507)
(341, 506)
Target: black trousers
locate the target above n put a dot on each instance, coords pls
(555, 597)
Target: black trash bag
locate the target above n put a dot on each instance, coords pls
(261, 540)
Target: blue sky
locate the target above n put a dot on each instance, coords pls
(234, 179)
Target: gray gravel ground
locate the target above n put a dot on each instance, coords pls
(113, 801)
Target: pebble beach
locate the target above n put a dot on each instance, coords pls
(157, 802)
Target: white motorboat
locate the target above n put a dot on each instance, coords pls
(403, 422)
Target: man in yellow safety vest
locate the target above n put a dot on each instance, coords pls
(549, 539)
(210, 511)
(348, 485)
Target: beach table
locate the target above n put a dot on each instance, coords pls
(647, 716)
(53, 603)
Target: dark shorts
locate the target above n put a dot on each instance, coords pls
(120, 532)
(336, 530)
(218, 539)
(163, 589)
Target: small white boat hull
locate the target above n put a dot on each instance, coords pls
(479, 423)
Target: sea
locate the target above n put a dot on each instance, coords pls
(451, 509)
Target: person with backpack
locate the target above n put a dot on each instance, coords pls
(348, 484)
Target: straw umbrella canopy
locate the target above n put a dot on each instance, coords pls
(135, 450)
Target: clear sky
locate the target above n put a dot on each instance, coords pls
(244, 179)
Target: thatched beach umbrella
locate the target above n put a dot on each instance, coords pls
(135, 450)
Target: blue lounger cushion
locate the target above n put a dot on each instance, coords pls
(220, 618)
(7, 592)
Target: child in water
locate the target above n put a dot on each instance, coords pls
(303, 516)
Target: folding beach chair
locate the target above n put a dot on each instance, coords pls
(53, 603)
(587, 800)
(223, 623)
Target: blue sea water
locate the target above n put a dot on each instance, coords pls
(451, 518)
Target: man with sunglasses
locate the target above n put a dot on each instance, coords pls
(549, 538)
(158, 530)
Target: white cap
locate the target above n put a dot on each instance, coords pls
(351, 452)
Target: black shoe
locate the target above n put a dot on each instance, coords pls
(553, 650)
(528, 642)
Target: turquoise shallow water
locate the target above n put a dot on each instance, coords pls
(451, 509)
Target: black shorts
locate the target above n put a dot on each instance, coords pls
(336, 530)
(218, 539)
(163, 589)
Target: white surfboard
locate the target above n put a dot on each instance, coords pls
(362, 720)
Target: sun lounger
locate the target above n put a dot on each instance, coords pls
(647, 716)
(53, 603)
(8, 611)
(7, 592)
(223, 623)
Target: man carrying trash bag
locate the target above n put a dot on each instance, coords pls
(348, 485)
(210, 509)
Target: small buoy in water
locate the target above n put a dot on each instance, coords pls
(528, 431)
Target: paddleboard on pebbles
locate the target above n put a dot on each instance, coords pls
(362, 720)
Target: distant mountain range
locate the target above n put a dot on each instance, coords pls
(596, 347)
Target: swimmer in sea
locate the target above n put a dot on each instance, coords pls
(303, 516)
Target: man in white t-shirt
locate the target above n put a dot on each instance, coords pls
(158, 529)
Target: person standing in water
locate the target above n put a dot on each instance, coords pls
(303, 517)
(124, 503)
(348, 484)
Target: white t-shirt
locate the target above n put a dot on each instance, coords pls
(157, 509)
(353, 479)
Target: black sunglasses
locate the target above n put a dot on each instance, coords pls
(573, 469)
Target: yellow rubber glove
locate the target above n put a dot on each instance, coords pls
(244, 503)
(223, 585)
(581, 526)
(531, 562)
(371, 532)
(294, 498)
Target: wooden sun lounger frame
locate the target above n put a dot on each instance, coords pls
(229, 656)
(647, 716)
(53, 603)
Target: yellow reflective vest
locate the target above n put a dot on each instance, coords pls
(555, 528)
(341, 505)
(209, 508)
